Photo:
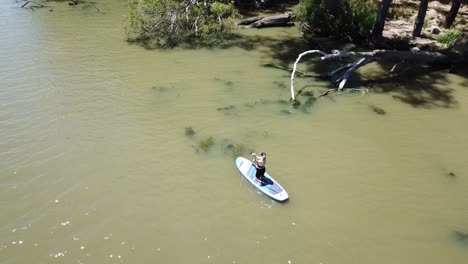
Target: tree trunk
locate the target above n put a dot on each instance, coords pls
(269, 21)
(453, 13)
(334, 6)
(250, 20)
(419, 23)
(380, 21)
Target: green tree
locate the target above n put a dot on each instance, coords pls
(325, 18)
(341, 19)
(168, 23)
(364, 16)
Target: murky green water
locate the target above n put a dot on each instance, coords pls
(95, 166)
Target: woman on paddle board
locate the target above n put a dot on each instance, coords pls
(259, 162)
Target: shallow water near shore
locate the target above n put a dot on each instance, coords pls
(96, 166)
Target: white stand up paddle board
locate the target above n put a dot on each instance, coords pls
(274, 190)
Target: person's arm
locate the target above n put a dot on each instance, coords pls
(254, 157)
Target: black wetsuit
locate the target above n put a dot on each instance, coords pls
(260, 172)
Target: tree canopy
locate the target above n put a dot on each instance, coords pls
(351, 19)
(168, 23)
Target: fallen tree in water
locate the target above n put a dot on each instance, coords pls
(283, 20)
(341, 74)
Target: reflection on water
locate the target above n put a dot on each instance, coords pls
(113, 153)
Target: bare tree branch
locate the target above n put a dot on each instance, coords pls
(400, 57)
(358, 64)
(27, 2)
(295, 67)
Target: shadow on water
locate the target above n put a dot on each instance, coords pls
(461, 237)
(422, 87)
(419, 86)
(464, 73)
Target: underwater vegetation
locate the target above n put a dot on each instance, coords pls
(205, 144)
(228, 110)
(229, 107)
(160, 88)
(304, 101)
(461, 236)
(451, 174)
(377, 110)
(238, 150)
(226, 146)
(259, 102)
(276, 66)
(280, 85)
(229, 84)
(189, 131)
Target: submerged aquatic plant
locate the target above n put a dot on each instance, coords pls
(306, 104)
(160, 88)
(280, 85)
(309, 101)
(206, 143)
(461, 236)
(377, 110)
(238, 150)
(227, 83)
(228, 110)
(189, 131)
(229, 107)
(295, 103)
(452, 174)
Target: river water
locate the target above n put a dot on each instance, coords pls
(96, 165)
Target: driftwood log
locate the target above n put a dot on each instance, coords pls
(341, 74)
(283, 20)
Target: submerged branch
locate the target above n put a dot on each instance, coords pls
(295, 67)
(391, 55)
(358, 64)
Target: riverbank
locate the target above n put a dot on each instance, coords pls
(400, 23)
(92, 141)
(397, 33)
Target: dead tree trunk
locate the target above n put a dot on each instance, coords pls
(268, 21)
(453, 13)
(419, 23)
(377, 30)
(341, 74)
(250, 20)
